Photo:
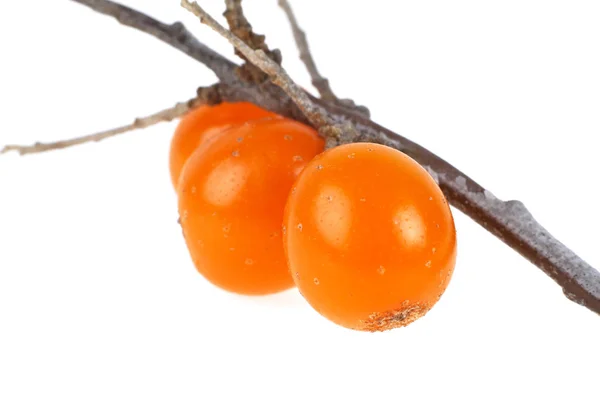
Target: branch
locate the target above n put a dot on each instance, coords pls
(166, 115)
(240, 27)
(175, 35)
(509, 221)
(315, 114)
(318, 81)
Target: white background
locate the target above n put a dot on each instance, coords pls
(99, 299)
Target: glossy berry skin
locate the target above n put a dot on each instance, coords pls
(202, 124)
(369, 237)
(232, 194)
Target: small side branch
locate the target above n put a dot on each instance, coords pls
(166, 115)
(318, 81)
(239, 26)
(174, 34)
(317, 116)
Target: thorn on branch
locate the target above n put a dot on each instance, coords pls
(165, 115)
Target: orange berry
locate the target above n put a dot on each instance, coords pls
(369, 237)
(201, 125)
(231, 199)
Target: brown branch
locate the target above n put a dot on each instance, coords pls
(318, 81)
(240, 27)
(166, 115)
(175, 35)
(315, 114)
(509, 221)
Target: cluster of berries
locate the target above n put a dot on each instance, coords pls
(361, 230)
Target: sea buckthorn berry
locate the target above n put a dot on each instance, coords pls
(369, 237)
(201, 125)
(232, 194)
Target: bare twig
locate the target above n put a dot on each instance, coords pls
(240, 27)
(166, 115)
(175, 35)
(315, 114)
(319, 82)
(509, 221)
